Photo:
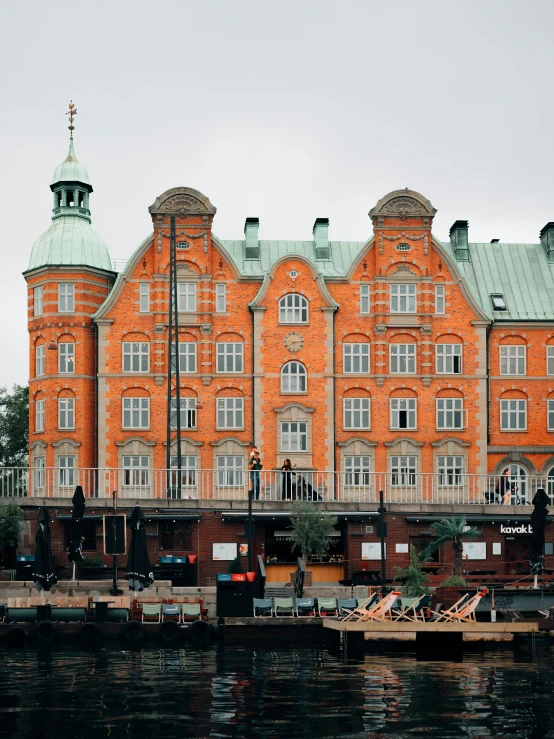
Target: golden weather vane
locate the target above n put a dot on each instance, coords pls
(72, 112)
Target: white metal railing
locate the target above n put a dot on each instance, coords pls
(233, 484)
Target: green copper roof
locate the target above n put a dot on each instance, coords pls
(70, 240)
(70, 170)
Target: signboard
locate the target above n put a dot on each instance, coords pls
(496, 547)
(475, 549)
(402, 549)
(224, 552)
(518, 528)
(372, 550)
(243, 550)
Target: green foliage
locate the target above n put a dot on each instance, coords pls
(14, 426)
(236, 566)
(454, 581)
(413, 577)
(11, 523)
(311, 529)
(91, 562)
(453, 530)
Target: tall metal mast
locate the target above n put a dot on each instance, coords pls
(173, 378)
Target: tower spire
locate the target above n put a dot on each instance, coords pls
(72, 112)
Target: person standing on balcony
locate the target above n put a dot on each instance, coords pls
(503, 489)
(255, 467)
(286, 485)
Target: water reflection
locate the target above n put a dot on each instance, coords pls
(234, 691)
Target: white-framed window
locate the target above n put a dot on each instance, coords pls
(357, 413)
(450, 413)
(230, 471)
(449, 359)
(39, 415)
(293, 308)
(188, 471)
(440, 303)
(357, 470)
(40, 359)
(402, 298)
(403, 413)
(66, 471)
(66, 358)
(187, 356)
(188, 413)
(512, 359)
(513, 415)
(355, 358)
(403, 470)
(39, 471)
(550, 360)
(294, 436)
(402, 358)
(38, 304)
(229, 356)
(136, 356)
(364, 299)
(66, 413)
(186, 297)
(144, 301)
(550, 484)
(550, 404)
(220, 297)
(230, 413)
(66, 297)
(293, 378)
(450, 470)
(136, 470)
(136, 413)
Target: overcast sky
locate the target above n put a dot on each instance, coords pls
(286, 110)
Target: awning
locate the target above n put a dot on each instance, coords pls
(269, 516)
(165, 516)
(474, 518)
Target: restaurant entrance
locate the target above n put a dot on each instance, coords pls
(518, 553)
(281, 559)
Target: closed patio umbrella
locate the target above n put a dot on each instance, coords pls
(139, 573)
(75, 553)
(538, 524)
(44, 571)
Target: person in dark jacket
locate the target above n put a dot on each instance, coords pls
(286, 481)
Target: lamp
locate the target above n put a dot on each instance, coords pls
(53, 346)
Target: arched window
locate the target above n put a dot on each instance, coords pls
(550, 483)
(293, 378)
(293, 308)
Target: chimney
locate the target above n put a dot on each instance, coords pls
(459, 240)
(251, 227)
(321, 239)
(547, 240)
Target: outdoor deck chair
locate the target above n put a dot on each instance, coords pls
(439, 615)
(411, 609)
(262, 607)
(191, 612)
(345, 605)
(283, 607)
(327, 606)
(171, 612)
(305, 607)
(382, 608)
(361, 608)
(151, 612)
(467, 612)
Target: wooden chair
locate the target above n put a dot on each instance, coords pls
(379, 611)
(411, 609)
(361, 608)
(467, 612)
(151, 612)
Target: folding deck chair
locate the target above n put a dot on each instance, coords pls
(379, 611)
(467, 612)
(361, 608)
(411, 609)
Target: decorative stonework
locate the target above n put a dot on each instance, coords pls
(380, 328)
(182, 201)
(207, 380)
(427, 329)
(403, 204)
(206, 328)
(159, 380)
(159, 328)
(404, 268)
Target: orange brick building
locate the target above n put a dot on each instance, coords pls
(397, 363)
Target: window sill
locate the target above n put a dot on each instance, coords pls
(229, 428)
(293, 323)
(135, 428)
(403, 429)
(356, 428)
(514, 431)
(299, 392)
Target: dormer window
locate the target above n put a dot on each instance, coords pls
(403, 247)
(498, 301)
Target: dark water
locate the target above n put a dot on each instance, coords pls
(265, 691)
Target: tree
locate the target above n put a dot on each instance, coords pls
(14, 426)
(11, 523)
(413, 577)
(311, 529)
(456, 531)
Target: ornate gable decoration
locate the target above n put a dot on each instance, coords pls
(403, 204)
(182, 201)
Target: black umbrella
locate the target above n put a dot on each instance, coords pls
(75, 553)
(44, 571)
(139, 572)
(538, 524)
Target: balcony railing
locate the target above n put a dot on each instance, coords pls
(233, 484)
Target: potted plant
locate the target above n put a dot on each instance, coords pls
(87, 563)
(310, 530)
(413, 577)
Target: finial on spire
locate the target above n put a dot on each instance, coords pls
(72, 112)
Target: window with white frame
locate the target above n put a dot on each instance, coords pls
(230, 413)
(230, 471)
(293, 378)
(229, 356)
(403, 470)
(449, 359)
(355, 358)
(293, 308)
(220, 297)
(66, 413)
(39, 471)
(39, 415)
(66, 358)
(294, 436)
(356, 413)
(512, 359)
(403, 413)
(136, 470)
(550, 415)
(186, 297)
(513, 415)
(136, 356)
(450, 470)
(450, 413)
(144, 301)
(66, 471)
(136, 413)
(440, 303)
(39, 359)
(188, 471)
(38, 305)
(550, 360)
(357, 470)
(66, 297)
(402, 298)
(402, 358)
(187, 356)
(364, 299)
(187, 415)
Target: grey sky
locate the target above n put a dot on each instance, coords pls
(286, 111)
